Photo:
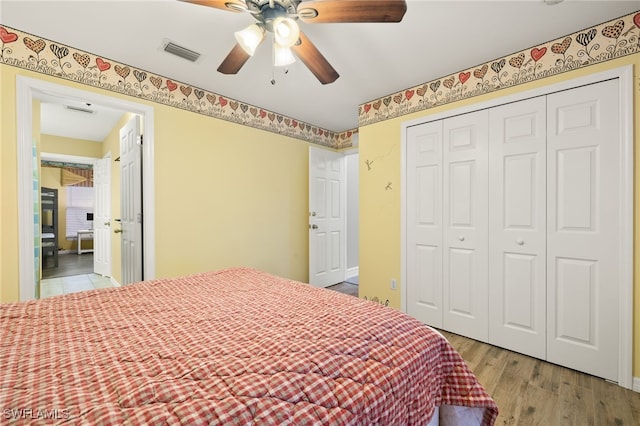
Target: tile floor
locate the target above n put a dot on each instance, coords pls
(72, 284)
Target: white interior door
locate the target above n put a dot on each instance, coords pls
(131, 201)
(465, 231)
(583, 254)
(327, 201)
(424, 223)
(102, 217)
(517, 226)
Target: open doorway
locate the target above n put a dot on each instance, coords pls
(71, 268)
(29, 90)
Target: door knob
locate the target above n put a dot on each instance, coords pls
(314, 226)
(312, 213)
(117, 231)
(520, 241)
(107, 223)
(461, 237)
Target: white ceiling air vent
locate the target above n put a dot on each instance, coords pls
(180, 51)
(79, 109)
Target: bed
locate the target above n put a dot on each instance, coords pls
(230, 347)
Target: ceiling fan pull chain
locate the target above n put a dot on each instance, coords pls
(273, 75)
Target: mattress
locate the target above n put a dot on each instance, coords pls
(235, 346)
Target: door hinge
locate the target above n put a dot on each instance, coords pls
(140, 139)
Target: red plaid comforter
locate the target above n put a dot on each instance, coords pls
(236, 346)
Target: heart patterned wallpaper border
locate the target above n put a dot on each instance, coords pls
(610, 40)
(23, 50)
(616, 38)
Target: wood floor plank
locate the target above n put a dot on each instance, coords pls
(508, 397)
(539, 407)
(576, 401)
(545, 376)
(611, 404)
(490, 369)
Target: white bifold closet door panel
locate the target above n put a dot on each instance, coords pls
(465, 225)
(583, 223)
(517, 226)
(424, 222)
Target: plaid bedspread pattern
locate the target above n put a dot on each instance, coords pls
(231, 347)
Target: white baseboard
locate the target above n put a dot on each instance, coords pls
(636, 384)
(114, 282)
(352, 272)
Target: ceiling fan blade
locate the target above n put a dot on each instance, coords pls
(352, 10)
(309, 54)
(230, 5)
(234, 60)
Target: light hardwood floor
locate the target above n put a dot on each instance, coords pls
(529, 391)
(533, 392)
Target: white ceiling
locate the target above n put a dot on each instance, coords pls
(435, 39)
(74, 119)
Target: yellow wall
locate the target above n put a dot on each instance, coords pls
(380, 234)
(8, 191)
(226, 195)
(70, 146)
(237, 196)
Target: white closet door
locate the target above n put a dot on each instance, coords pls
(517, 226)
(465, 231)
(583, 254)
(424, 223)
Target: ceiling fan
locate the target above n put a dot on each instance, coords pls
(279, 17)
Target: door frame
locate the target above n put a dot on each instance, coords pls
(354, 271)
(625, 76)
(28, 89)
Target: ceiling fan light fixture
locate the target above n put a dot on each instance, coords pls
(282, 56)
(285, 31)
(250, 38)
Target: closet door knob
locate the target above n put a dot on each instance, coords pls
(520, 241)
(461, 237)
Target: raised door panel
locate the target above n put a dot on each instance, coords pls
(517, 245)
(465, 227)
(424, 223)
(583, 256)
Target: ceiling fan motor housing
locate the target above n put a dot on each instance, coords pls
(266, 11)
